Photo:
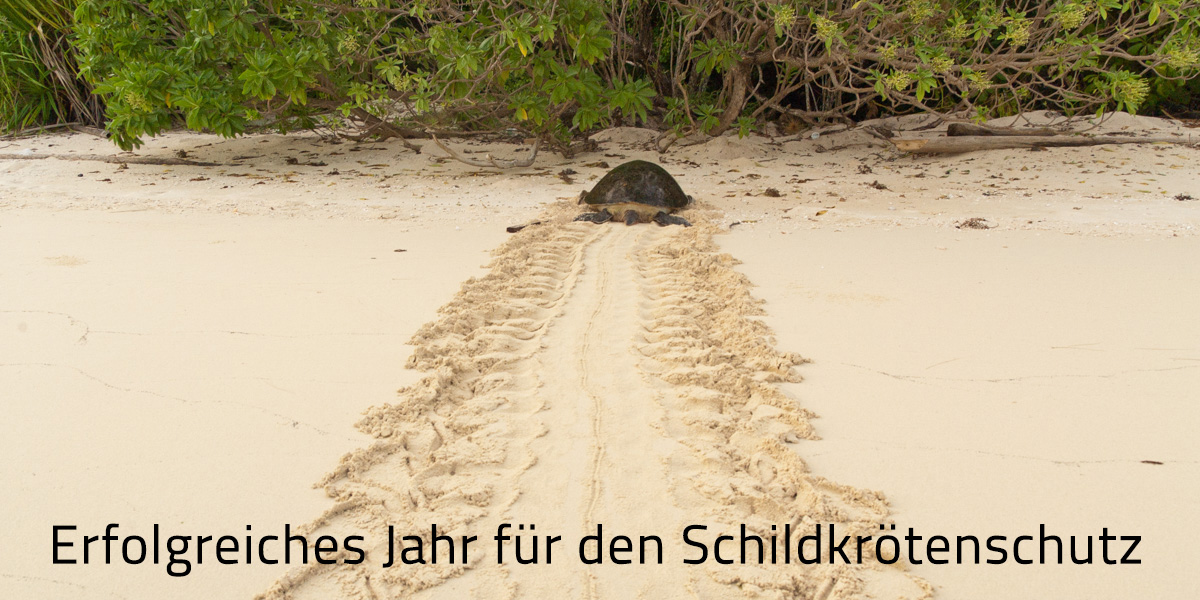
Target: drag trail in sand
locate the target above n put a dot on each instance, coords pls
(603, 425)
(597, 375)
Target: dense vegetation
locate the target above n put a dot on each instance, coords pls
(39, 82)
(557, 69)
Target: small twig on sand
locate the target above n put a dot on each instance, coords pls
(137, 160)
(516, 228)
(491, 160)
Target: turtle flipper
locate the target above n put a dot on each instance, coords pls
(663, 219)
(603, 216)
(631, 217)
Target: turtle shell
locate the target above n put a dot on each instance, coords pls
(638, 182)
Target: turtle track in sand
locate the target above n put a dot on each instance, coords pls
(597, 374)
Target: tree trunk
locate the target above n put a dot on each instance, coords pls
(740, 76)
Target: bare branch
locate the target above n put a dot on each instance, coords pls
(491, 161)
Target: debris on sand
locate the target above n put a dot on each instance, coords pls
(974, 223)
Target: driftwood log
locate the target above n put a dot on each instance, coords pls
(960, 144)
(133, 160)
(963, 129)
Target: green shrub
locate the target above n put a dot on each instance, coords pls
(220, 64)
(561, 68)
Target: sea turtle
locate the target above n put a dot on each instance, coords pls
(637, 191)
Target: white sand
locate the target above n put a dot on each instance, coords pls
(167, 358)
(1007, 380)
(184, 370)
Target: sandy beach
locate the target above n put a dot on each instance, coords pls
(218, 349)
